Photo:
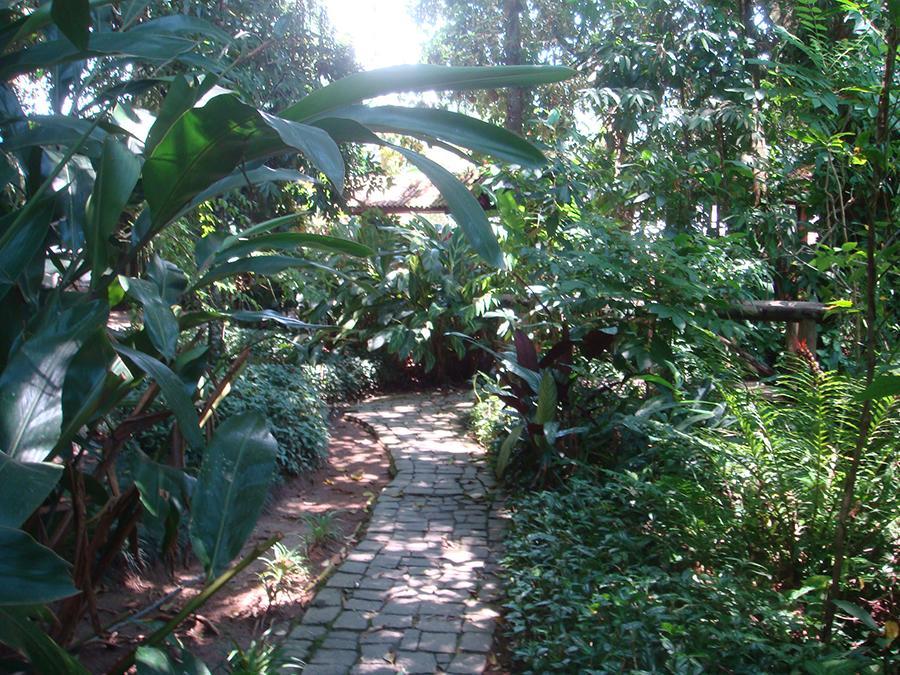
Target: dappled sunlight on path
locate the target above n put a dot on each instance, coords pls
(415, 595)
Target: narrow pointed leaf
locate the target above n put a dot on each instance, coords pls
(509, 444)
(451, 127)
(263, 264)
(19, 631)
(546, 407)
(464, 208)
(208, 144)
(169, 279)
(231, 489)
(172, 390)
(288, 241)
(361, 86)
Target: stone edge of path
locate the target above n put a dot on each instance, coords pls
(493, 496)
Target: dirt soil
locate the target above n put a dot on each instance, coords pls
(356, 471)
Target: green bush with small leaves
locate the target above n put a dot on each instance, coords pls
(344, 378)
(296, 414)
(606, 579)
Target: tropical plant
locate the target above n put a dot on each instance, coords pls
(84, 196)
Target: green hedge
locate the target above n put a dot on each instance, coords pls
(343, 378)
(293, 406)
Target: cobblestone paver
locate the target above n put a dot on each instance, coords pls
(416, 594)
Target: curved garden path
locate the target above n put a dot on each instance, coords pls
(415, 594)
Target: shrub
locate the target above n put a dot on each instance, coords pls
(599, 581)
(296, 414)
(343, 378)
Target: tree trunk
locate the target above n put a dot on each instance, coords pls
(512, 45)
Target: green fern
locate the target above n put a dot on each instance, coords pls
(785, 453)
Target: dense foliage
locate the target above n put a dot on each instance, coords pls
(293, 408)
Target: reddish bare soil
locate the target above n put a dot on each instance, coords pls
(356, 470)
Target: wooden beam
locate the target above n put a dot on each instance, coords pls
(777, 310)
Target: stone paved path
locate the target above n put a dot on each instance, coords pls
(415, 594)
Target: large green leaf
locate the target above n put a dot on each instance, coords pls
(95, 381)
(231, 489)
(159, 319)
(207, 144)
(506, 449)
(31, 386)
(155, 661)
(169, 279)
(73, 18)
(50, 130)
(361, 86)
(547, 395)
(20, 632)
(25, 486)
(30, 574)
(288, 241)
(266, 265)
(148, 46)
(464, 208)
(882, 386)
(118, 174)
(444, 125)
(19, 249)
(172, 390)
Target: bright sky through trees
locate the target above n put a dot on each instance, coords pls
(382, 32)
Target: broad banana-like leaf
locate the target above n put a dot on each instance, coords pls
(30, 574)
(159, 319)
(193, 319)
(231, 489)
(20, 632)
(361, 86)
(172, 390)
(73, 18)
(31, 386)
(25, 486)
(260, 228)
(118, 174)
(180, 98)
(207, 144)
(95, 381)
(288, 241)
(452, 127)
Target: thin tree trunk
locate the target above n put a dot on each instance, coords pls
(849, 487)
(512, 45)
